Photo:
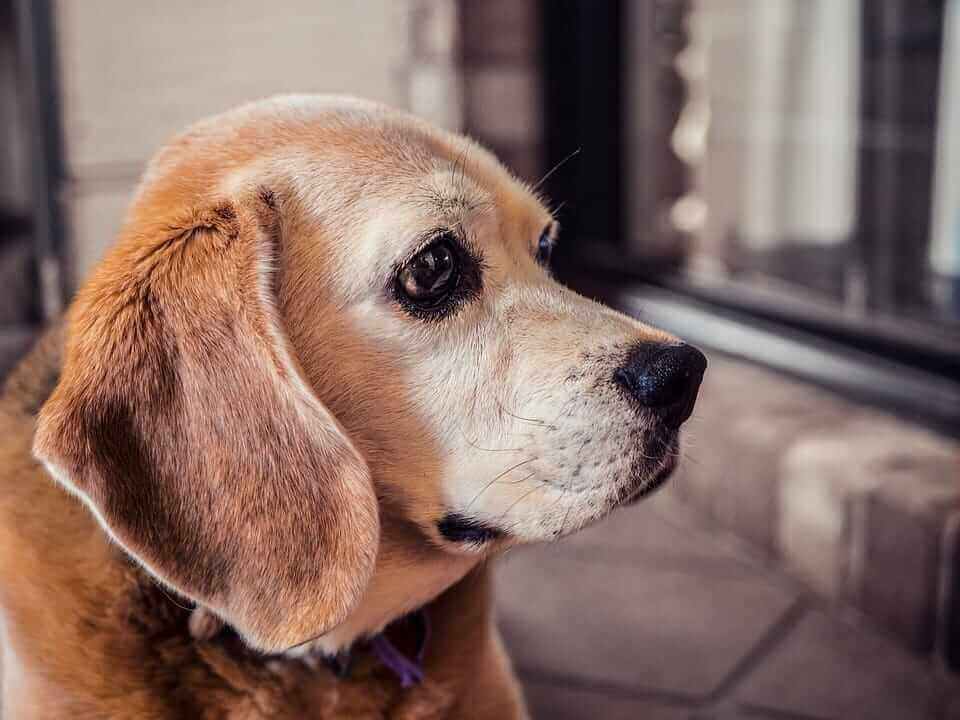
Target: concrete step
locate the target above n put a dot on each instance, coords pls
(861, 505)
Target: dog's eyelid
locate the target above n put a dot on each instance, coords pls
(430, 237)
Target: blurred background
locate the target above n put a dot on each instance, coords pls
(775, 180)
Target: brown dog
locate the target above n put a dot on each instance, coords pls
(323, 374)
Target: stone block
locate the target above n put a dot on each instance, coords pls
(745, 419)
(897, 545)
(829, 529)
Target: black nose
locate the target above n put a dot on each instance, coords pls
(664, 378)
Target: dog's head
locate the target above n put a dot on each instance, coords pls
(327, 352)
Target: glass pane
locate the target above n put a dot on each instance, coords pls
(810, 138)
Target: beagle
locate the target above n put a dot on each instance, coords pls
(323, 375)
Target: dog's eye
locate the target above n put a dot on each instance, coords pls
(432, 275)
(545, 247)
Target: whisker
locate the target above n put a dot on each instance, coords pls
(490, 484)
(518, 500)
(563, 408)
(549, 508)
(472, 444)
(687, 457)
(556, 167)
(521, 480)
(460, 169)
(534, 421)
(563, 525)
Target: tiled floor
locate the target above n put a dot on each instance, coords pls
(652, 615)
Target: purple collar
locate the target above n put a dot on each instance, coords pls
(409, 671)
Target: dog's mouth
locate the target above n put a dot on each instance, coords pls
(655, 482)
(468, 531)
(650, 474)
(649, 481)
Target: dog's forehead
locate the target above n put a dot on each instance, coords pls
(371, 192)
(351, 170)
(414, 174)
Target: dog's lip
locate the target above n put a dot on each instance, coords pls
(664, 473)
(670, 462)
(457, 528)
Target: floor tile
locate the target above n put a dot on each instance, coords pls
(548, 701)
(726, 712)
(656, 527)
(830, 668)
(639, 627)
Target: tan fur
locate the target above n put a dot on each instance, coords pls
(245, 413)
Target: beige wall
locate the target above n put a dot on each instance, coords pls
(134, 73)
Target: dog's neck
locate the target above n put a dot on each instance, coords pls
(410, 574)
(421, 572)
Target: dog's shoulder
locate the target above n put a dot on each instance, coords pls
(32, 508)
(33, 511)
(51, 558)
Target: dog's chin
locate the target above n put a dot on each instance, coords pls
(654, 482)
(654, 471)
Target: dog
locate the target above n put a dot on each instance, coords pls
(322, 377)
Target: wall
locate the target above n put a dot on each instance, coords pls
(134, 73)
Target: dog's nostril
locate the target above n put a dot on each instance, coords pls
(665, 378)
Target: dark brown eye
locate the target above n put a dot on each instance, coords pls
(431, 276)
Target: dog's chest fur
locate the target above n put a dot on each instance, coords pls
(139, 661)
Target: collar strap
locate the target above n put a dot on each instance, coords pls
(409, 670)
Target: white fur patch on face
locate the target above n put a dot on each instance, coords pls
(539, 440)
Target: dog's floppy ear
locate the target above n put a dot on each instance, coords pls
(183, 421)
